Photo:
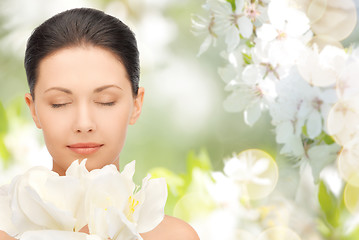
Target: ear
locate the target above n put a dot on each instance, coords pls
(137, 106)
(31, 104)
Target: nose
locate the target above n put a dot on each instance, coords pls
(83, 120)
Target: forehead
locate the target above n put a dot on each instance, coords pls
(81, 67)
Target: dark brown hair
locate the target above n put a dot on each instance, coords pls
(78, 27)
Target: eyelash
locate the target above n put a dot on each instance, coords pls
(64, 104)
(107, 103)
(58, 105)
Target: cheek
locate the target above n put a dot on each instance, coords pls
(54, 127)
(115, 122)
(114, 125)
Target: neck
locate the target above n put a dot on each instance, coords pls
(56, 168)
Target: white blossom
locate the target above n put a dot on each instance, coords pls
(322, 68)
(40, 203)
(245, 169)
(38, 200)
(204, 26)
(231, 23)
(57, 235)
(298, 104)
(286, 33)
(115, 207)
(347, 81)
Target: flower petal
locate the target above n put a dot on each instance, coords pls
(260, 166)
(77, 169)
(232, 38)
(284, 131)
(205, 45)
(56, 235)
(267, 32)
(252, 114)
(245, 27)
(314, 124)
(151, 212)
(129, 170)
(5, 221)
(31, 208)
(120, 227)
(261, 181)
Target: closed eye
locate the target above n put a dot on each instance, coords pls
(58, 105)
(107, 103)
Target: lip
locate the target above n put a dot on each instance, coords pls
(85, 148)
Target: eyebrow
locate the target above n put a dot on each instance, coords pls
(97, 90)
(59, 89)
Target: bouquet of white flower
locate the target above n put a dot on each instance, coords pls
(40, 204)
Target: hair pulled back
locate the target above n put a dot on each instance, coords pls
(81, 27)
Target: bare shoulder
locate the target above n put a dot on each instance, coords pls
(171, 228)
(4, 236)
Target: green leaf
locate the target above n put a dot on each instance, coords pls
(233, 3)
(328, 139)
(247, 58)
(304, 130)
(196, 202)
(330, 205)
(250, 43)
(174, 182)
(3, 121)
(4, 154)
(200, 161)
(193, 206)
(323, 228)
(4, 128)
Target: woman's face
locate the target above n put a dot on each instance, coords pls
(83, 104)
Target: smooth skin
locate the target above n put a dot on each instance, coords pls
(83, 95)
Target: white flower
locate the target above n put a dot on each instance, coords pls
(252, 94)
(231, 23)
(348, 84)
(298, 104)
(246, 98)
(284, 112)
(224, 191)
(231, 74)
(104, 199)
(41, 199)
(315, 109)
(57, 235)
(324, 68)
(204, 26)
(343, 121)
(115, 207)
(6, 224)
(219, 224)
(286, 34)
(246, 170)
